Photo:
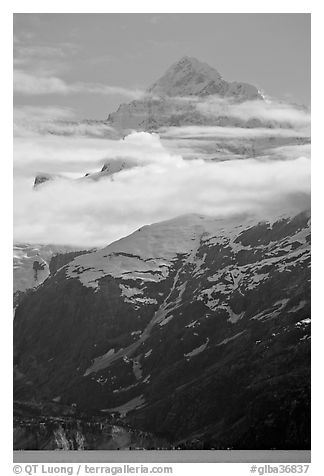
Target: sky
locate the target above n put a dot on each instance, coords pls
(69, 67)
(131, 51)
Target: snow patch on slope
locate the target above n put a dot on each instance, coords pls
(197, 350)
(148, 253)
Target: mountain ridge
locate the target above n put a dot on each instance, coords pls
(202, 346)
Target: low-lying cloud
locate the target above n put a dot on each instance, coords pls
(87, 213)
(271, 111)
(229, 132)
(69, 155)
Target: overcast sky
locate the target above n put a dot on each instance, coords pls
(131, 51)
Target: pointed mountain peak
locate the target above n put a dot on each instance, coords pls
(189, 62)
(186, 77)
(191, 77)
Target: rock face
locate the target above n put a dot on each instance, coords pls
(61, 259)
(43, 178)
(196, 329)
(166, 102)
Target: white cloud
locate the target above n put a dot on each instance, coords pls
(270, 111)
(90, 213)
(26, 115)
(44, 120)
(26, 83)
(37, 51)
(64, 155)
(32, 84)
(289, 152)
(229, 132)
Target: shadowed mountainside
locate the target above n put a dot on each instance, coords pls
(196, 329)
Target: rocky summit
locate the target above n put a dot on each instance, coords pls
(196, 329)
(170, 100)
(191, 77)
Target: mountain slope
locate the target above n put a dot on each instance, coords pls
(195, 328)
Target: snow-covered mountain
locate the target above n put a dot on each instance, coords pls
(196, 329)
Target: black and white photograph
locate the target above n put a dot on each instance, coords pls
(162, 234)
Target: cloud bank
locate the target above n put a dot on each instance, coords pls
(87, 213)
